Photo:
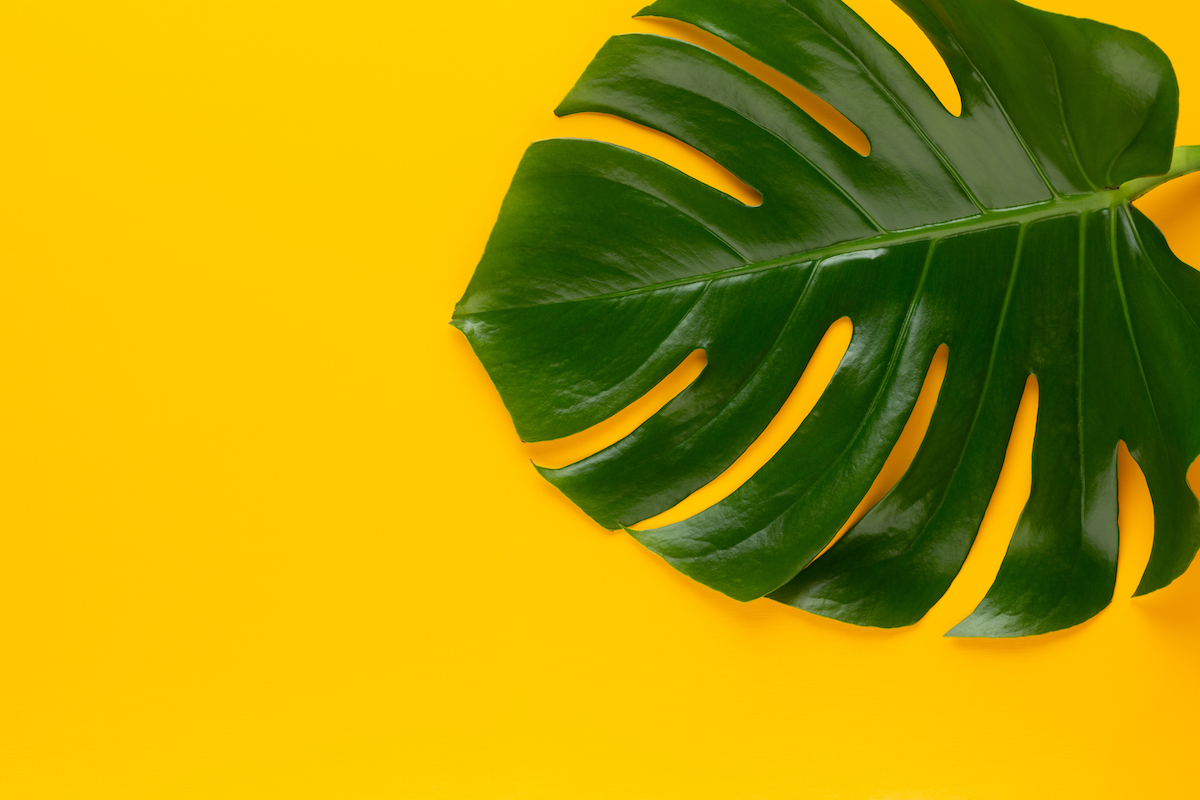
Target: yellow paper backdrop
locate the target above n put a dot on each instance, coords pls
(266, 529)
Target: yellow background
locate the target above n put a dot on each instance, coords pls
(266, 529)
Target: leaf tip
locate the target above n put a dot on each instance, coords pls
(645, 12)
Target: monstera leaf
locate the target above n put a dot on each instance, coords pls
(1006, 233)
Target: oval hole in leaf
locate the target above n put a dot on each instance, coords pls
(813, 105)
(657, 145)
(808, 390)
(999, 520)
(561, 452)
(905, 449)
(1135, 523)
(1193, 477)
(907, 38)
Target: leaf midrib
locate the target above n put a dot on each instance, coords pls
(1047, 209)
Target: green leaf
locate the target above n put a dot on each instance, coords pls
(1006, 233)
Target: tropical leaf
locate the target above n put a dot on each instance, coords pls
(1006, 233)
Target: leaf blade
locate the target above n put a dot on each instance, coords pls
(607, 268)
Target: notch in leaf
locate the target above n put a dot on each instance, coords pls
(996, 233)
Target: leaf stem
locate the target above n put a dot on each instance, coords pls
(1184, 160)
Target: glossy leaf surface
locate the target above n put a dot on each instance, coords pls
(1006, 233)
